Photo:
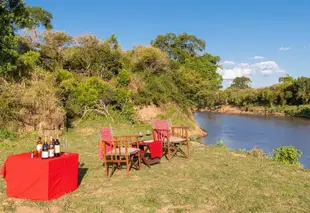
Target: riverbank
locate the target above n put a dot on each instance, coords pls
(214, 179)
(296, 111)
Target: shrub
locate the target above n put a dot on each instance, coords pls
(31, 105)
(257, 153)
(123, 78)
(6, 134)
(89, 93)
(287, 155)
(220, 144)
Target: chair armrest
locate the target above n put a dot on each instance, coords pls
(181, 127)
(132, 139)
(180, 131)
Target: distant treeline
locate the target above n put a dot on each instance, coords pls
(290, 96)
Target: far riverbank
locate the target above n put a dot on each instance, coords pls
(295, 111)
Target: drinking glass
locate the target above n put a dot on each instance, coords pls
(140, 135)
(148, 133)
(66, 146)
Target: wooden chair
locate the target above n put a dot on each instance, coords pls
(107, 135)
(172, 137)
(121, 153)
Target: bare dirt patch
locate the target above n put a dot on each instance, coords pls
(86, 131)
(167, 209)
(238, 155)
(27, 209)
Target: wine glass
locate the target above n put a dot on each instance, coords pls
(66, 146)
(140, 135)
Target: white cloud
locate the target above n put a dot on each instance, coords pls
(258, 57)
(228, 62)
(245, 69)
(284, 48)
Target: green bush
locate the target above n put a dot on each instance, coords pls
(123, 78)
(220, 144)
(6, 134)
(287, 155)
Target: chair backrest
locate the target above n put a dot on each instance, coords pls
(119, 148)
(105, 134)
(133, 140)
(161, 124)
(161, 129)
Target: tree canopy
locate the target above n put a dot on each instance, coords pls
(241, 83)
(179, 47)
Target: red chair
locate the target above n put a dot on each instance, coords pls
(107, 146)
(173, 138)
(105, 134)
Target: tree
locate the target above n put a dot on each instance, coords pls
(148, 58)
(113, 42)
(207, 66)
(241, 83)
(14, 15)
(179, 47)
(286, 79)
(93, 57)
(38, 17)
(52, 49)
(301, 88)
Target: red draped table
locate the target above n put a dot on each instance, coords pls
(38, 179)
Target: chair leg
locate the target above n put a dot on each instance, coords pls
(187, 144)
(169, 151)
(106, 168)
(175, 150)
(182, 152)
(127, 166)
(113, 169)
(139, 161)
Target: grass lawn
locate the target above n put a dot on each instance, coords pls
(212, 180)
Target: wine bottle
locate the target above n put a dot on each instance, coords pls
(57, 147)
(45, 149)
(51, 150)
(39, 147)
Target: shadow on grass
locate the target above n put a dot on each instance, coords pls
(82, 173)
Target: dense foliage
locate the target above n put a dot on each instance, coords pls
(287, 155)
(290, 96)
(45, 76)
(241, 83)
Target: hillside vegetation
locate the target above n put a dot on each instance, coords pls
(50, 78)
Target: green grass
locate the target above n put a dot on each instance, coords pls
(214, 179)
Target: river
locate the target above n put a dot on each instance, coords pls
(247, 132)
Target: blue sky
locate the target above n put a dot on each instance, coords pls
(237, 31)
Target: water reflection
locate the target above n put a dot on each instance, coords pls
(247, 132)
